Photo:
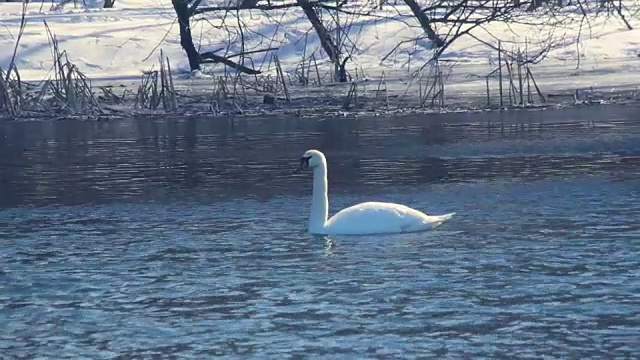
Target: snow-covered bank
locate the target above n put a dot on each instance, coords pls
(118, 44)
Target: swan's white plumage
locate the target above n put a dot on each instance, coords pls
(363, 219)
(381, 218)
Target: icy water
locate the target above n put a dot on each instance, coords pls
(186, 238)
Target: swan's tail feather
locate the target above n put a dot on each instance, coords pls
(437, 220)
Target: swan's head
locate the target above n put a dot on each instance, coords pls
(310, 159)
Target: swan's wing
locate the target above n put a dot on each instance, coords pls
(378, 217)
(437, 220)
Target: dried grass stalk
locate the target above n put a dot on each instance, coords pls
(71, 89)
(151, 94)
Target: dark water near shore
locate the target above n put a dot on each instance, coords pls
(188, 238)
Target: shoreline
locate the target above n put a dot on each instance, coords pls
(107, 51)
(209, 97)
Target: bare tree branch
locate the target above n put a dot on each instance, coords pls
(210, 57)
(424, 22)
(249, 6)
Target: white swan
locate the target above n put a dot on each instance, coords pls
(362, 219)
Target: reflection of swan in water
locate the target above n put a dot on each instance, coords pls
(362, 219)
(329, 246)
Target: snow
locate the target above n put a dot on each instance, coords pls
(119, 43)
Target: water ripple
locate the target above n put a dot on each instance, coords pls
(195, 246)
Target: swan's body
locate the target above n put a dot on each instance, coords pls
(362, 219)
(381, 218)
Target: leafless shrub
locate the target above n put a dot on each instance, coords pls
(515, 66)
(430, 82)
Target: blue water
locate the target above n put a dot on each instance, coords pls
(130, 239)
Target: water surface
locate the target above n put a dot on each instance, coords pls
(187, 238)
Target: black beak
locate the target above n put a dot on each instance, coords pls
(304, 163)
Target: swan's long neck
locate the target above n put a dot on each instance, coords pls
(319, 201)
